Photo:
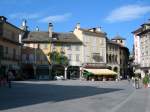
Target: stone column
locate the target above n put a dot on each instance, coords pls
(65, 72)
(50, 73)
(34, 67)
(81, 68)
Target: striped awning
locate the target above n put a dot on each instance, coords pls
(101, 71)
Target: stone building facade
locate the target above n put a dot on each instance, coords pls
(94, 46)
(145, 48)
(70, 46)
(10, 47)
(142, 49)
(118, 56)
(35, 50)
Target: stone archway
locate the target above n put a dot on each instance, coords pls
(110, 60)
(73, 72)
(28, 71)
(58, 70)
(109, 67)
(116, 69)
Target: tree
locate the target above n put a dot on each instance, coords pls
(58, 58)
(146, 80)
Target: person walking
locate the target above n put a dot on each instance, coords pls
(128, 78)
(133, 81)
(10, 77)
(137, 83)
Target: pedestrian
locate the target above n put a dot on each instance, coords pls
(10, 77)
(136, 82)
(128, 78)
(133, 81)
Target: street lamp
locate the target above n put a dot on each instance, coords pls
(34, 67)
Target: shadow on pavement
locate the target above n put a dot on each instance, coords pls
(23, 94)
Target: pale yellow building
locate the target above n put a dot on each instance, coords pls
(10, 47)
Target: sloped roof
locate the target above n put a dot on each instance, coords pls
(146, 23)
(138, 30)
(37, 37)
(96, 33)
(113, 42)
(65, 38)
(43, 37)
(118, 37)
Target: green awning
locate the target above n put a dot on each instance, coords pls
(86, 73)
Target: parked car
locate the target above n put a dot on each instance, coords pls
(59, 77)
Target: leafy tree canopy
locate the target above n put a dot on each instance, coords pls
(58, 58)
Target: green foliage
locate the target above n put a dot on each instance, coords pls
(86, 73)
(146, 79)
(58, 58)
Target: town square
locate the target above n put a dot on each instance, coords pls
(74, 96)
(75, 56)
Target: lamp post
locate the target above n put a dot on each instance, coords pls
(34, 67)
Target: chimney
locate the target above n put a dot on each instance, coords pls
(78, 26)
(50, 29)
(24, 25)
(3, 18)
(98, 29)
(37, 28)
(24, 22)
(20, 38)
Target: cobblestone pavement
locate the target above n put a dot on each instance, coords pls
(74, 96)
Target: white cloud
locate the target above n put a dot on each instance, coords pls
(56, 18)
(24, 16)
(127, 13)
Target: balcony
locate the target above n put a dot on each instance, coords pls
(97, 58)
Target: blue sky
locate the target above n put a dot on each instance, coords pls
(114, 16)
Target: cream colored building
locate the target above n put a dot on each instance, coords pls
(70, 45)
(142, 49)
(137, 51)
(94, 46)
(145, 48)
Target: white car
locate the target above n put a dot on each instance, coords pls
(59, 77)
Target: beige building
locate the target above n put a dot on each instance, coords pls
(37, 46)
(142, 49)
(94, 46)
(137, 51)
(70, 46)
(10, 47)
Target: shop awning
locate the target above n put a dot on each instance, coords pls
(86, 73)
(101, 71)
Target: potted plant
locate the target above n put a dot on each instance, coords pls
(146, 81)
